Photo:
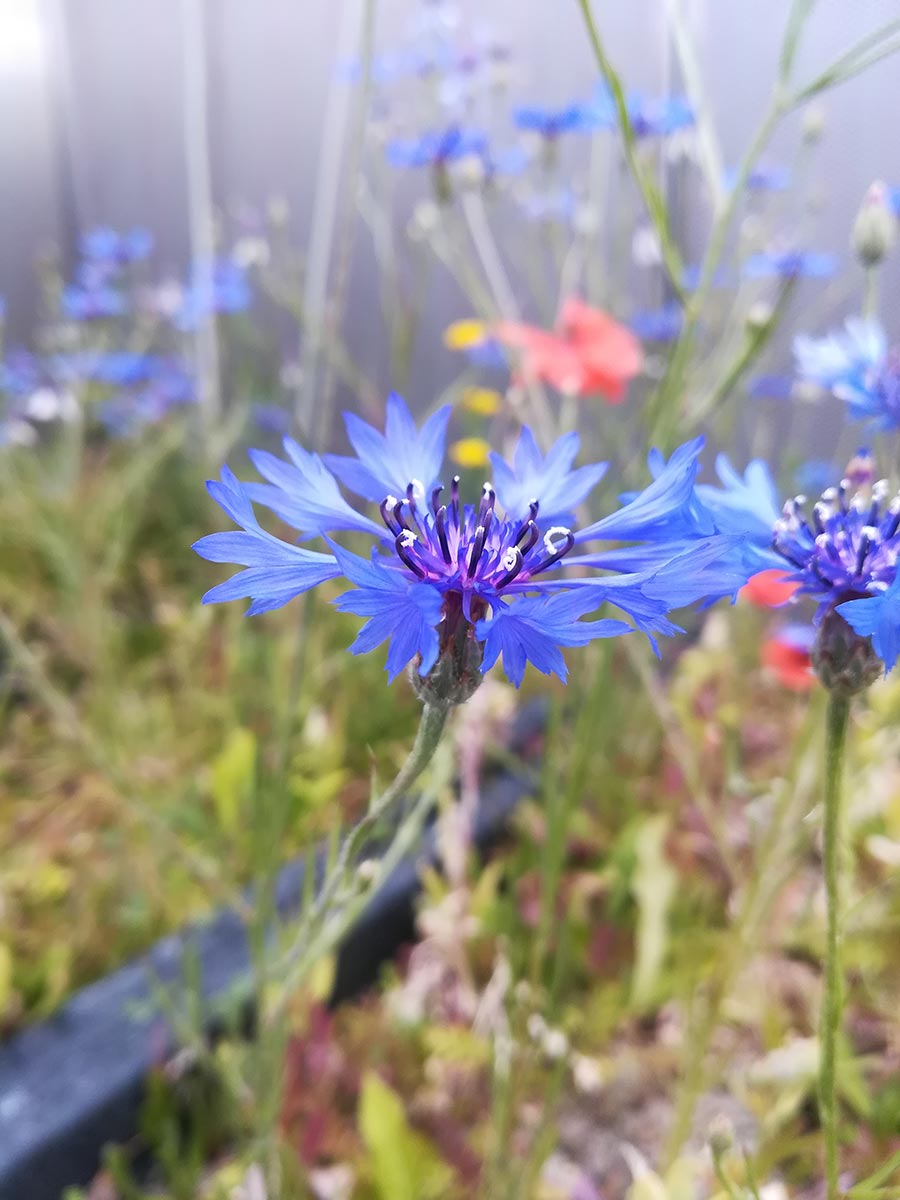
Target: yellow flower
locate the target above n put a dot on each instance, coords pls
(484, 401)
(470, 452)
(462, 335)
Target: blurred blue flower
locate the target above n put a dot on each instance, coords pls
(127, 412)
(790, 264)
(893, 199)
(106, 245)
(658, 324)
(92, 303)
(551, 122)
(443, 571)
(220, 287)
(760, 179)
(433, 149)
(658, 118)
(814, 475)
(857, 367)
(271, 418)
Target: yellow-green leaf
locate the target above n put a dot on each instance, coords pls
(233, 777)
(404, 1165)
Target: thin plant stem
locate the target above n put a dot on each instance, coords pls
(347, 238)
(765, 882)
(196, 148)
(836, 722)
(325, 923)
(870, 294)
(324, 214)
(653, 199)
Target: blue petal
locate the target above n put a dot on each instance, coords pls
(548, 480)
(276, 570)
(877, 617)
(534, 628)
(668, 508)
(304, 493)
(404, 612)
(386, 463)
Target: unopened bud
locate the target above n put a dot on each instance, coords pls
(721, 1136)
(813, 125)
(845, 662)
(874, 229)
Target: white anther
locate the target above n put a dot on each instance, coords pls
(407, 539)
(555, 531)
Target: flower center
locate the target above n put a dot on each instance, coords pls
(464, 547)
(851, 541)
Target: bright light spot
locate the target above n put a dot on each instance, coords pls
(21, 37)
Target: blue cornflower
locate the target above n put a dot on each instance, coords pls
(844, 554)
(551, 122)
(105, 245)
(436, 149)
(857, 367)
(443, 576)
(221, 287)
(790, 264)
(659, 118)
(760, 179)
(94, 303)
(658, 324)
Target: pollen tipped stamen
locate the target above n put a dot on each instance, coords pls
(440, 523)
(486, 508)
(557, 551)
(533, 507)
(512, 562)
(386, 508)
(403, 544)
(454, 498)
(866, 540)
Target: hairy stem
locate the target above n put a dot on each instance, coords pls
(832, 1000)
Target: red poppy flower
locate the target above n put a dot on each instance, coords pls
(787, 656)
(769, 589)
(589, 352)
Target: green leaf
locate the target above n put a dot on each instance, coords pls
(233, 778)
(404, 1164)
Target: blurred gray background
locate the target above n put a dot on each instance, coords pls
(93, 93)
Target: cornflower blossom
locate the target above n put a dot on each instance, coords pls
(465, 584)
(550, 123)
(437, 149)
(657, 324)
(790, 264)
(108, 246)
(219, 287)
(857, 367)
(842, 553)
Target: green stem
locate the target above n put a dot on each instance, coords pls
(329, 918)
(832, 1001)
(870, 293)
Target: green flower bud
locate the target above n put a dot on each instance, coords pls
(874, 229)
(844, 661)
